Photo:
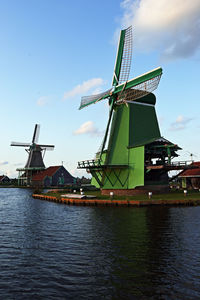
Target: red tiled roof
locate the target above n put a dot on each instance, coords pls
(48, 172)
(192, 172)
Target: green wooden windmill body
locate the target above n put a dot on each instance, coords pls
(126, 147)
(132, 124)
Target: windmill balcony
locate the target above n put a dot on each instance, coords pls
(177, 165)
(96, 164)
(87, 164)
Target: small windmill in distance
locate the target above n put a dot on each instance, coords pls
(35, 162)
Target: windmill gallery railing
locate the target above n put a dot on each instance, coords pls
(85, 164)
(113, 173)
(105, 172)
(176, 165)
(96, 163)
(181, 163)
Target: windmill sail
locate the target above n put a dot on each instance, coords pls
(122, 67)
(36, 133)
(124, 56)
(143, 80)
(144, 85)
(47, 147)
(20, 144)
(87, 100)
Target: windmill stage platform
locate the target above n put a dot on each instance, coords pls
(179, 165)
(106, 172)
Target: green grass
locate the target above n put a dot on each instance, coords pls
(172, 195)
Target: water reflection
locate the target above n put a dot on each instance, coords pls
(146, 253)
(52, 251)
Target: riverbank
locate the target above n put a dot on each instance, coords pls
(173, 198)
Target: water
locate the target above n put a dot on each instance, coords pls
(55, 251)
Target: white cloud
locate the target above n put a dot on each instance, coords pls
(83, 88)
(3, 163)
(11, 173)
(170, 26)
(180, 123)
(42, 101)
(88, 128)
(18, 164)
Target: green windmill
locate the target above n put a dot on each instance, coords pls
(132, 125)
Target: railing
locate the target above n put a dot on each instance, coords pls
(96, 163)
(88, 163)
(166, 163)
(181, 163)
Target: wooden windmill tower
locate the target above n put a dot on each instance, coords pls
(35, 162)
(132, 127)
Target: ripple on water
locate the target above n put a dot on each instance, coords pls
(53, 251)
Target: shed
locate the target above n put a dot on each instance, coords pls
(4, 179)
(53, 176)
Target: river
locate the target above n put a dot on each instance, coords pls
(55, 251)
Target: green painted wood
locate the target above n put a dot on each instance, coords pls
(131, 126)
(118, 141)
(144, 126)
(119, 58)
(136, 167)
(117, 153)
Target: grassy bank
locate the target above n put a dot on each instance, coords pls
(171, 196)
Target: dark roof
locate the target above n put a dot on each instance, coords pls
(163, 141)
(2, 177)
(48, 172)
(191, 172)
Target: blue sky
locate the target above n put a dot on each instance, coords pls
(53, 52)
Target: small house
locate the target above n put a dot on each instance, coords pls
(4, 179)
(53, 176)
(191, 178)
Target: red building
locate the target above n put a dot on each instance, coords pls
(53, 176)
(191, 178)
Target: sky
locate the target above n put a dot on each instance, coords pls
(53, 52)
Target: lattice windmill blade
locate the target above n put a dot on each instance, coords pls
(36, 134)
(124, 57)
(87, 100)
(20, 144)
(138, 87)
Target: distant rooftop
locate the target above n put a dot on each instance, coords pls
(191, 172)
